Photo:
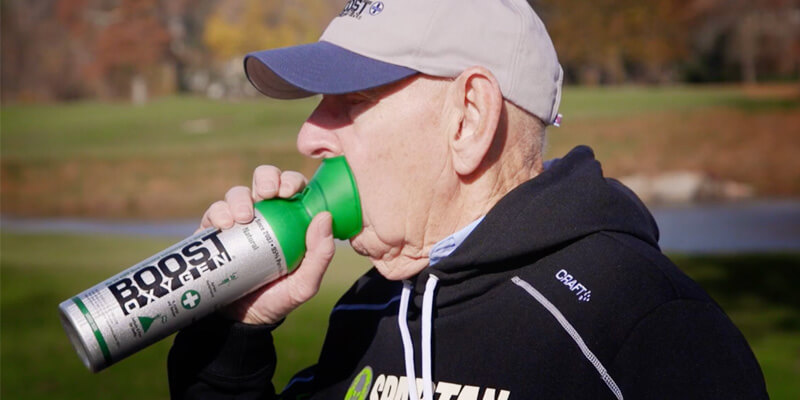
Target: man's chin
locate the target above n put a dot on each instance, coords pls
(358, 246)
(364, 244)
(401, 268)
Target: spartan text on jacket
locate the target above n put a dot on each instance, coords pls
(390, 387)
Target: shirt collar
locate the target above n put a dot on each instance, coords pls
(449, 244)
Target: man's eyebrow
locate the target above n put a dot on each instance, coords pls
(373, 92)
(370, 94)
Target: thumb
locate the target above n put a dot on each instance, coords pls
(320, 245)
(319, 238)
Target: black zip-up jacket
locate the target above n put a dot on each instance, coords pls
(561, 292)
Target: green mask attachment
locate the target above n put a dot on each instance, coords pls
(332, 189)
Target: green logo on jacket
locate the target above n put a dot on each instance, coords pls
(359, 389)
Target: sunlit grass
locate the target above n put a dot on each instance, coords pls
(174, 156)
(184, 124)
(163, 126)
(40, 271)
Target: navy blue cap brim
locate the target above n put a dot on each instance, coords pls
(317, 68)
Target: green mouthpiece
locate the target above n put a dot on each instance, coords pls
(332, 189)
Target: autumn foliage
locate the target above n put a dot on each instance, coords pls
(64, 49)
(133, 42)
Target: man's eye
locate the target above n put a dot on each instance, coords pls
(355, 100)
(358, 98)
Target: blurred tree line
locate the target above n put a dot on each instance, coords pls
(617, 41)
(68, 49)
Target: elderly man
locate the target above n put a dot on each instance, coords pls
(495, 277)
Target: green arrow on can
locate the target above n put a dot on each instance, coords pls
(147, 321)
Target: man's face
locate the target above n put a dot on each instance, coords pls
(394, 141)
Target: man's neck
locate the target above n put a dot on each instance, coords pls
(467, 201)
(454, 204)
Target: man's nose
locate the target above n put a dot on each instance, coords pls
(318, 136)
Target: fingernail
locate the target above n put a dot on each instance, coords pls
(327, 224)
(270, 189)
(286, 189)
(243, 212)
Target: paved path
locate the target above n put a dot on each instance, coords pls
(736, 227)
(763, 225)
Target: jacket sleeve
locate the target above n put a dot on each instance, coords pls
(216, 358)
(687, 349)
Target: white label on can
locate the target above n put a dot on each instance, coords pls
(180, 285)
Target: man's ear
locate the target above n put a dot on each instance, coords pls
(479, 103)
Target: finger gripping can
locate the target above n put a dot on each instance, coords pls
(206, 271)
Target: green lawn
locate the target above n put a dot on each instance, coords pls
(605, 103)
(116, 160)
(40, 271)
(161, 127)
(174, 156)
(170, 125)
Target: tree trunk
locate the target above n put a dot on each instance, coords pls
(138, 90)
(748, 32)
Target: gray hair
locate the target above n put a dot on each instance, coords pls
(529, 130)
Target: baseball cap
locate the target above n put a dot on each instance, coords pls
(372, 43)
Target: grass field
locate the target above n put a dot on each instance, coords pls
(174, 156)
(122, 161)
(40, 271)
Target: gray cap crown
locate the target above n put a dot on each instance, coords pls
(445, 37)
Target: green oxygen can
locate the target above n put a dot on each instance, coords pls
(206, 271)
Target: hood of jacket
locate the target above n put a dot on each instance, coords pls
(568, 201)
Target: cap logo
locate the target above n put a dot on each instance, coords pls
(355, 8)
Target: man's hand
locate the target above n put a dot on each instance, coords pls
(271, 303)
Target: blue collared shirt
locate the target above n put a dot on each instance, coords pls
(449, 244)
